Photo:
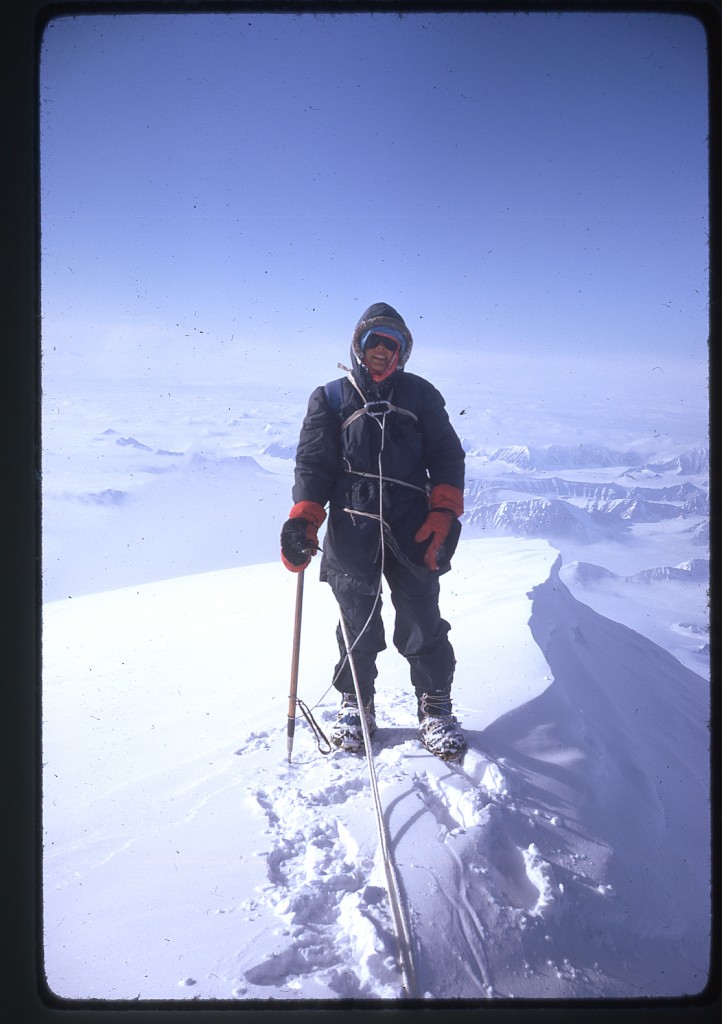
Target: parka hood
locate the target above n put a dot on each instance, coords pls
(376, 317)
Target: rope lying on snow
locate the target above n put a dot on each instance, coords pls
(401, 925)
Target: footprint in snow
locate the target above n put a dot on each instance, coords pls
(456, 804)
(255, 741)
(515, 875)
(456, 794)
(541, 875)
(321, 888)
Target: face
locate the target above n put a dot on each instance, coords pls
(379, 357)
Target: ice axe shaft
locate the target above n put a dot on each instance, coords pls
(292, 696)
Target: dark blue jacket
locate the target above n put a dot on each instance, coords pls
(340, 464)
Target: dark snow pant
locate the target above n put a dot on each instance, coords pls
(420, 634)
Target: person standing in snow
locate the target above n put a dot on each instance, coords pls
(378, 447)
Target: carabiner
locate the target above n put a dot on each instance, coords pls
(379, 408)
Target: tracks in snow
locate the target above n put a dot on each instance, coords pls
(454, 855)
(324, 885)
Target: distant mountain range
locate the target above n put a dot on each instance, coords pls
(696, 570)
(556, 456)
(584, 456)
(527, 503)
(687, 496)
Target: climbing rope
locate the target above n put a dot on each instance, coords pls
(401, 925)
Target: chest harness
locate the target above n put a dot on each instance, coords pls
(378, 410)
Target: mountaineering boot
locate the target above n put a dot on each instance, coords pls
(347, 731)
(438, 729)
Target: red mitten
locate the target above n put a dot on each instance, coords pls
(447, 504)
(299, 536)
(436, 526)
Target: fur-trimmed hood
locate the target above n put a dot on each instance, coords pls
(378, 316)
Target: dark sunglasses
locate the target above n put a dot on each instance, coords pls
(376, 339)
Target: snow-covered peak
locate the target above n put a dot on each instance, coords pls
(689, 463)
(556, 456)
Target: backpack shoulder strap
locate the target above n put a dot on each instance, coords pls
(333, 394)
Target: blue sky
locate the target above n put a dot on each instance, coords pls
(228, 189)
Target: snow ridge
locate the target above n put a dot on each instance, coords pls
(544, 860)
(489, 851)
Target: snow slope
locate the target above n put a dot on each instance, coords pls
(186, 858)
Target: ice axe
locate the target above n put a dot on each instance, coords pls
(292, 696)
(293, 701)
